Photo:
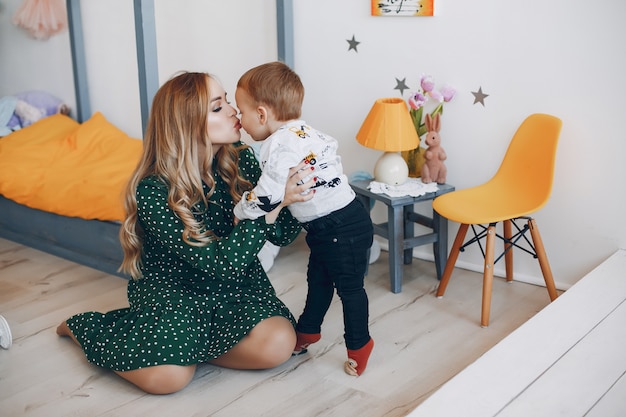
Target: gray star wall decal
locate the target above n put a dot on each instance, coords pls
(479, 96)
(353, 44)
(401, 85)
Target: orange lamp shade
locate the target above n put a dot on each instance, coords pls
(388, 127)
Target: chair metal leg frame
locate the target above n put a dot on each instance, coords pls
(510, 241)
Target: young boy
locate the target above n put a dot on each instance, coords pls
(339, 228)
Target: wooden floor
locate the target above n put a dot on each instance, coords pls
(421, 342)
(567, 360)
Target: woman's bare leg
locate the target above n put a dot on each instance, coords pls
(269, 344)
(160, 379)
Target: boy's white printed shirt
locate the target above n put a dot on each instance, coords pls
(287, 147)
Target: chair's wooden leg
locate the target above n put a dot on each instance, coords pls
(543, 259)
(488, 274)
(508, 250)
(454, 254)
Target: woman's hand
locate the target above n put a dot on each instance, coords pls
(296, 189)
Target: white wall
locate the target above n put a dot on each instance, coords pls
(26, 64)
(563, 57)
(220, 37)
(554, 56)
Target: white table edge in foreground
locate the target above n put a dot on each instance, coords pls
(487, 386)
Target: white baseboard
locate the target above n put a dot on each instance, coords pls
(498, 272)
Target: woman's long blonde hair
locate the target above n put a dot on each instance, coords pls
(177, 124)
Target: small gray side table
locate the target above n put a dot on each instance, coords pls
(399, 229)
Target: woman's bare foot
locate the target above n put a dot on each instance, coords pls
(63, 330)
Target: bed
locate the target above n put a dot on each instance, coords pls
(63, 236)
(92, 239)
(89, 238)
(61, 185)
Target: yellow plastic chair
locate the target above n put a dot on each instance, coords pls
(521, 186)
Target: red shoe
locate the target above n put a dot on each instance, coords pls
(357, 359)
(303, 341)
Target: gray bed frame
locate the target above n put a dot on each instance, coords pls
(95, 243)
(92, 243)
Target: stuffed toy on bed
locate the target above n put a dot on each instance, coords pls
(24, 109)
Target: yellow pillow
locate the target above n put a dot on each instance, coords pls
(88, 180)
(59, 166)
(25, 156)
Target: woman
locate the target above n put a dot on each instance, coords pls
(198, 293)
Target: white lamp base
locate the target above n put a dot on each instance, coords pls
(391, 169)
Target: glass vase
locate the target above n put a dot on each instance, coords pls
(415, 160)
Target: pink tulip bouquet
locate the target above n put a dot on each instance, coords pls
(418, 99)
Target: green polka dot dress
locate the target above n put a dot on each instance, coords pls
(193, 304)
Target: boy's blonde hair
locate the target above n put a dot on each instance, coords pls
(275, 86)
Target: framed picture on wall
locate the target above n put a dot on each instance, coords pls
(403, 7)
